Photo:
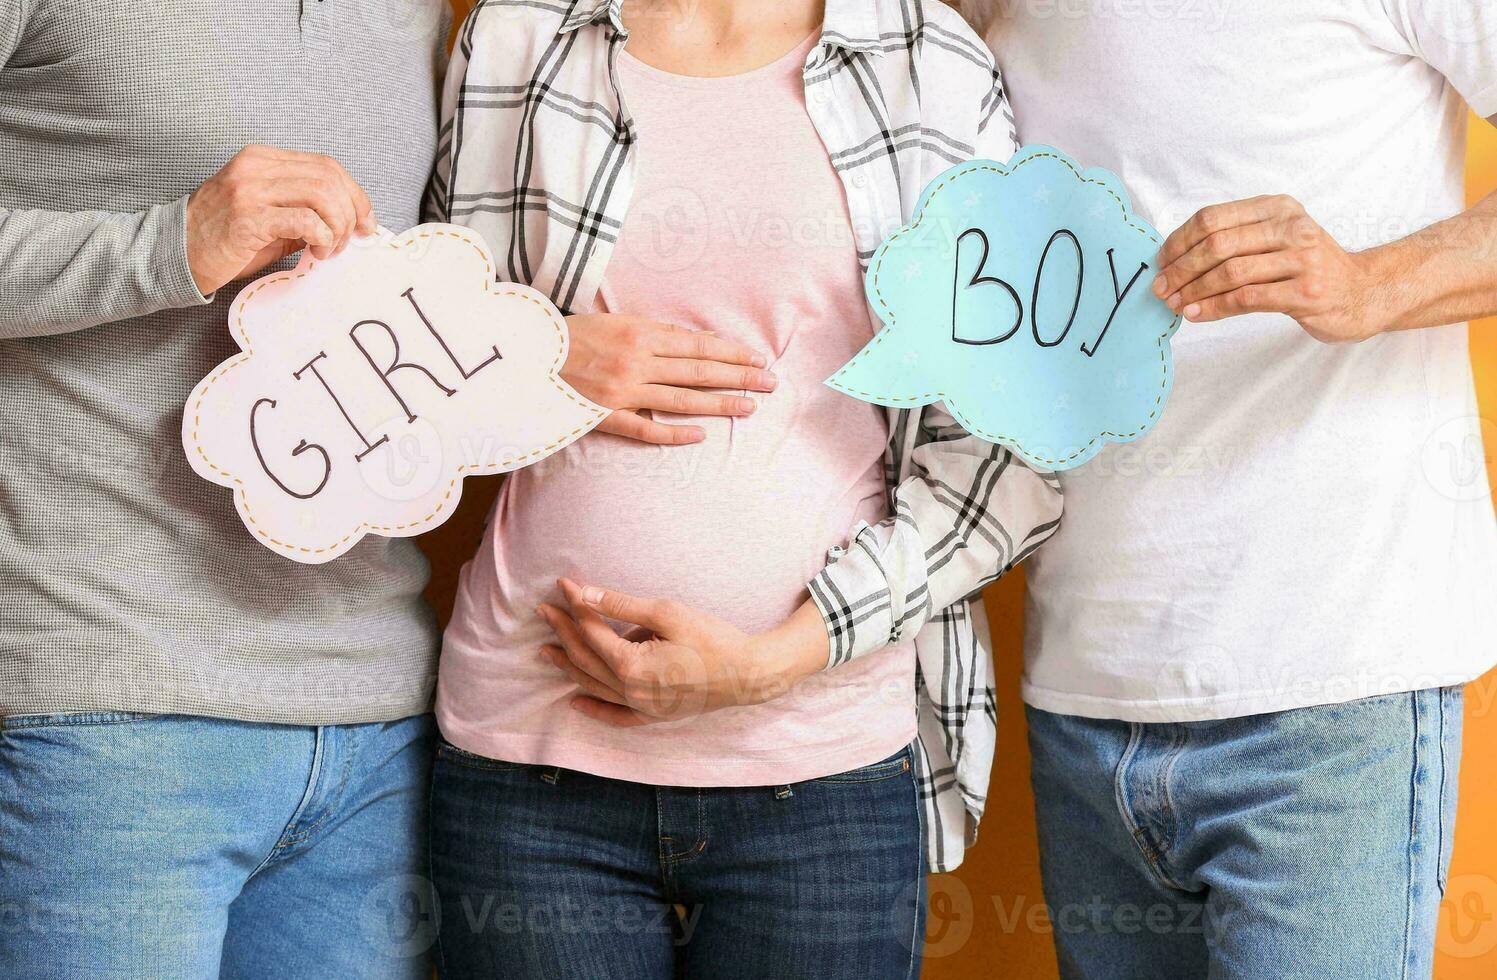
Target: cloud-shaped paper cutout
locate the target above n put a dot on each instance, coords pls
(371, 384)
(1020, 295)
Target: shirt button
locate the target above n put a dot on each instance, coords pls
(820, 96)
(860, 180)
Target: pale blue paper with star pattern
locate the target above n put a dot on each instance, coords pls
(1021, 297)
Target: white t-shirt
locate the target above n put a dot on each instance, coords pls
(1308, 524)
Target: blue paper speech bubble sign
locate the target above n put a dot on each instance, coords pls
(1021, 297)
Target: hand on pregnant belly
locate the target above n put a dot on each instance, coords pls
(690, 663)
(631, 363)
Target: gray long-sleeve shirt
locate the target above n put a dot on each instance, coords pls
(126, 582)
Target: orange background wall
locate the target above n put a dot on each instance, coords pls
(987, 920)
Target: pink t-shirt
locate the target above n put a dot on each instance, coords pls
(737, 225)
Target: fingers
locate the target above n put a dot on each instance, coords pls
(632, 425)
(674, 341)
(1244, 270)
(362, 205)
(557, 657)
(630, 363)
(657, 615)
(1261, 255)
(1212, 251)
(365, 223)
(578, 653)
(683, 372)
(1279, 297)
(597, 634)
(297, 179)
(1222, 217)
(299, 224)
(612, 714)
(330, 200)
(261, 205)
(684, 401)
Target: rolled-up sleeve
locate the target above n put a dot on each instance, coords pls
(969, 512)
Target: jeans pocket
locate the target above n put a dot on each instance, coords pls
(897, 764)
(447, 752)
(70, 719)
(1452, 715)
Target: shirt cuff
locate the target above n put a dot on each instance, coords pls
(853, 596)
(177, 287)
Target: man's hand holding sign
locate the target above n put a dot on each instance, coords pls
(267, 203)
(1269, 255)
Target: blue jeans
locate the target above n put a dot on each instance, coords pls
(1307, 843)
(547, 874)
(136, 846)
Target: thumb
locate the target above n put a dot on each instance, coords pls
(653, 614)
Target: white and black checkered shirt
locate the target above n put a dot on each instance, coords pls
(537, 155)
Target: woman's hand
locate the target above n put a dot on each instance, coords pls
(630, 363)
(689, 663)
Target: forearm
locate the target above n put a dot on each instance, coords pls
(1446, 273)
(796, 649)
(71, 271)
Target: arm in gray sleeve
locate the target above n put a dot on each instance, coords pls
(61, 272)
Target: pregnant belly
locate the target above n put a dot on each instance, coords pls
(735, 525)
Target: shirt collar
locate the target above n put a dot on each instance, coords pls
(585, 12)
(853, 25)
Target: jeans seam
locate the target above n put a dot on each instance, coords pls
(701, 846)
(915, 938)
(1146, 850)
(81, 719)
(1408, 913)
(462, 757)
(672, 859)
(666, 871)
(1182, 738)
(302, 836)
(281, 844)
(1120, 776)
(431, 872)
(874, 773)
(1440, 882)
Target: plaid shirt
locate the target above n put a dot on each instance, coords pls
(536, 153)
